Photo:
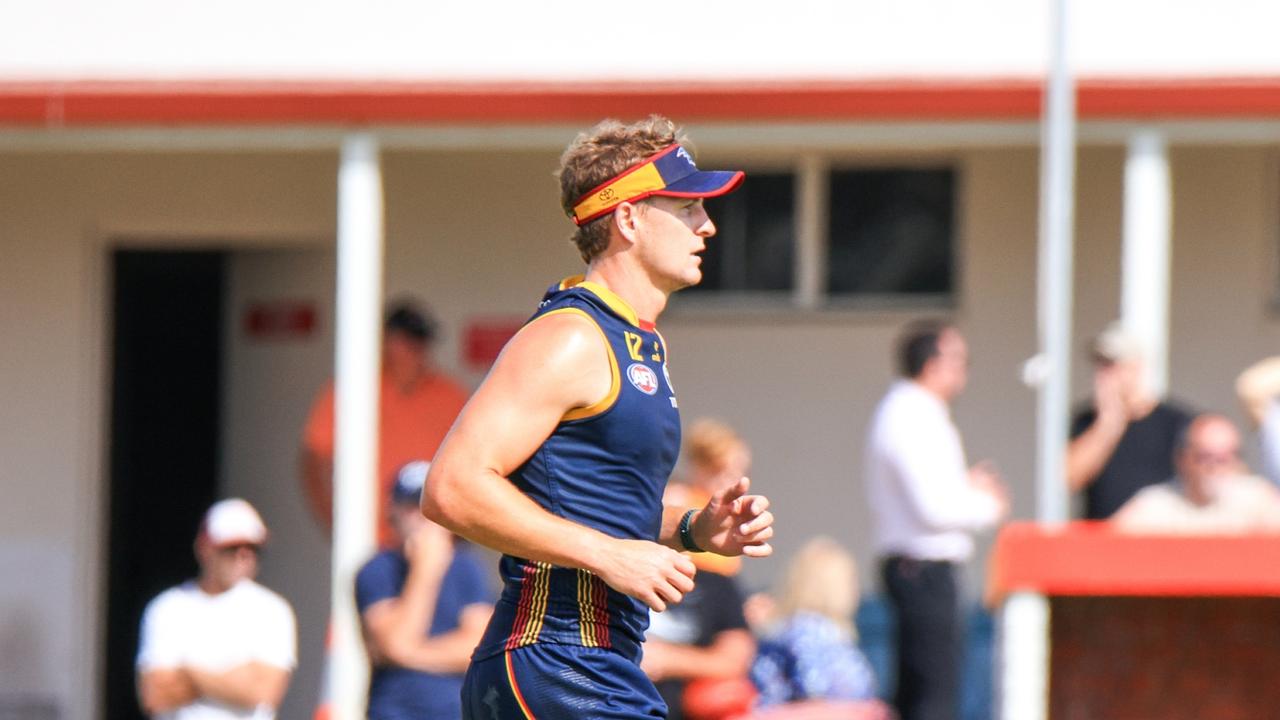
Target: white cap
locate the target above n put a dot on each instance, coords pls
(1116, 343)
(234, 521)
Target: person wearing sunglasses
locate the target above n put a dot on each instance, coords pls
(1125, 440)
(220, 646)
(1212, 491)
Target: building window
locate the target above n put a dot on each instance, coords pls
(890, 232)
(823, 235)
(753, 249)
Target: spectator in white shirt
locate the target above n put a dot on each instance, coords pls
(926, 504)
(220, 647)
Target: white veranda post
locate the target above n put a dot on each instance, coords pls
(357, 358)
(1057, 209)
(1144, 296)
(1024, 618)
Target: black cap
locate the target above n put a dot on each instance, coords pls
(410, 319)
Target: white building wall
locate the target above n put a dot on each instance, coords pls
(48, 444)
(59, 218)
(1226, 270)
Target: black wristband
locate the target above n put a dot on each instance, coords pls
(686, 532)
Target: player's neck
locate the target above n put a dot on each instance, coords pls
(631, 284)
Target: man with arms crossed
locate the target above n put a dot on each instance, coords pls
(560, 458)
(220, 647)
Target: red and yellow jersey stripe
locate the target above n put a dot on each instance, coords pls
(532, 608)
(593, 610)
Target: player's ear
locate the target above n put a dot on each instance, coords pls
(625, 218)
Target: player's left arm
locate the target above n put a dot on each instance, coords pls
(731, 523)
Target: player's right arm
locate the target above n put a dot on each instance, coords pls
(555, 364)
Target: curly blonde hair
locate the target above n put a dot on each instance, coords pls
(600, 154)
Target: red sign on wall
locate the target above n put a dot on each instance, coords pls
(280, 320)
(484, 338)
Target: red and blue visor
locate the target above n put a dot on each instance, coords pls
(670, 173)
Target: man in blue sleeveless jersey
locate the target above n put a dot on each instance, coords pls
(560, 458)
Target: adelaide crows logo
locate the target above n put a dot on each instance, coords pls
(644, 378)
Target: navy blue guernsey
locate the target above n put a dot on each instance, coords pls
(604, 466)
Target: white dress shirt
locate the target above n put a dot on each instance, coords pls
(917, 479)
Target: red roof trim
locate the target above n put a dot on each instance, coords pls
(96, 103)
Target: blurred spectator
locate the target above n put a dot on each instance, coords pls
(1212, 491)
(219, 647)
(423, 607)
(821, 710)
(760, 609)
(925, 505)
(417, 405)
(810, 652)
(1258, 388)
(1125, 442)
(705, 636)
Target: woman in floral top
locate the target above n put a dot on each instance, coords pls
(810, 651)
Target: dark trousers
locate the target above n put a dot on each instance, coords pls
(924, 594)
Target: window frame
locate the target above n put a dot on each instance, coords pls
(808, 295)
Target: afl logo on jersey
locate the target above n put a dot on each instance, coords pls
(645, 379)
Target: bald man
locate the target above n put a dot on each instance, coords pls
(1212, 491)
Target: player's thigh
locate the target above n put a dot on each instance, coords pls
(548, 681)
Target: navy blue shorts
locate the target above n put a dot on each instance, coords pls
(547, 681)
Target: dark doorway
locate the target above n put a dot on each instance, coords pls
(165, 397)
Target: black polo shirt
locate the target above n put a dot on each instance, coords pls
(1143, 457)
